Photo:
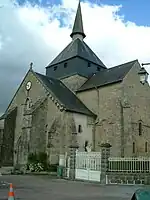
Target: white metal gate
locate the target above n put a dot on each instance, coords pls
(88, 166)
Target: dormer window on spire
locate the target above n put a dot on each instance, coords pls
(98, 69)
(55, 68)
(65, 65)
(89, 64)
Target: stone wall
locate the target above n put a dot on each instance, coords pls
(120, 107)
(7, 153)
(84, 130)
(105, 102)
(36, 92)
(38, 130)
(136, 110)
(74, 82)
(1, 133)
(128, 178)
(59, 129)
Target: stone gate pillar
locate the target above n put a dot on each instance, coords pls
(73, 149)
(105, 154)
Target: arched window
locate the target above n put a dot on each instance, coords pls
(85, 145)
(133, 147)
(79, 128)
(28, 104)
(98, 68)
(55, 68)
(89, 64)
(140, 128)
(146, 147)
(65, 65)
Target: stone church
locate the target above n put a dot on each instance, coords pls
(79, 100)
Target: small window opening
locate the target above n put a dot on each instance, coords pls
(133, 147)
(140, 128)
(89, 64)
(79, 129)
(146, 147)
(85, 145)
(65, 65)
(55, 68)
(28, 104)
(98, 68)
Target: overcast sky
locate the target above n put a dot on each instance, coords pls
(38, 32)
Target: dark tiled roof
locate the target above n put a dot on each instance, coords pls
(108, 76)
(64, 95)
(3, 116)
(77, 48)
(7, 112)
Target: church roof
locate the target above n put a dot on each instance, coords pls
(69, 100)
(3, 116)
(77, 48)
(108, 76)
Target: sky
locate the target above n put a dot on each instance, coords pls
(36, 31)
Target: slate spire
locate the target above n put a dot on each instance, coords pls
(77, 31)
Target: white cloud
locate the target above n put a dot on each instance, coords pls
(34, 34)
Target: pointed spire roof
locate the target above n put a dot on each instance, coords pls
(78, 24)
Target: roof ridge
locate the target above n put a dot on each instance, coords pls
(53, 61)
(108, 76)
(123, 64)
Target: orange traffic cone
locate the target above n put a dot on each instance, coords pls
(11, 195)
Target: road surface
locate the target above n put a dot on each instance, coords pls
(47, 188)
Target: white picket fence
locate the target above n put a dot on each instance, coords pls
(131, 164)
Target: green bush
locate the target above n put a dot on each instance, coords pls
(37, 161)
(36, 167)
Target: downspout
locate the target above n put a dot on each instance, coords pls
(122, 128)
(122, 121)
(96, 120)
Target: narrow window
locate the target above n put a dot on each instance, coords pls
(140, 128)
(55, 68)
(133, 147)
(28, 104)
(98, 68)
(85, 145)
(146, 147)
(89, 64)
(79, 129)
(65, 65)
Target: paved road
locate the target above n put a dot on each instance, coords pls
(46, 188)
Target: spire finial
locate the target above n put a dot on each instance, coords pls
(78, 31)
(31, 65)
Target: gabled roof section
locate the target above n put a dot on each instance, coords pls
(77, 48)
(3, 116)
(68, 99)
(108, 76)
(7, 112)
